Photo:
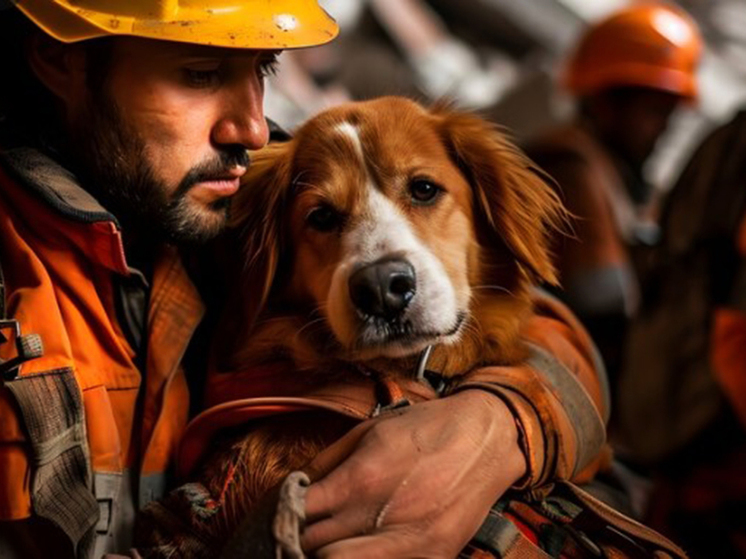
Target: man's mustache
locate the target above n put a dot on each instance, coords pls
(214, 169)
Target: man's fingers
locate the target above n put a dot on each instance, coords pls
(337, 507)
(333, 479)
(336, 528)
(325, 497)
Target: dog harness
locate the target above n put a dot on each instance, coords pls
(557, 520)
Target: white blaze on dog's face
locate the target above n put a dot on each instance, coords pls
(434, 307)
(382, 232)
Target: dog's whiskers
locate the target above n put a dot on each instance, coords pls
(472, 331)
(495, 287)
(297, 178)
(309, 186)
(307, 326)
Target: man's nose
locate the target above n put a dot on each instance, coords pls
(242, 121)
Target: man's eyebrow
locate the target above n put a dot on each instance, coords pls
(199, 51)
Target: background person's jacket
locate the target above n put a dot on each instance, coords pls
(597, 264)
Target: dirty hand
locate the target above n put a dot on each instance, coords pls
(417, 482)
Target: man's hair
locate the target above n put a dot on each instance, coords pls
(27, 108)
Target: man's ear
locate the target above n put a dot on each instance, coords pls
(515, 201)
(60, 67)
(258, 213)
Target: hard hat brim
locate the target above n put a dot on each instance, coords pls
(280, 26)
(677, 82)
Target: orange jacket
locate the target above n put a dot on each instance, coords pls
(82, 402)
(728, 338)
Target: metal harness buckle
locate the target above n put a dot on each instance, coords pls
(424, 375)
(28, 347)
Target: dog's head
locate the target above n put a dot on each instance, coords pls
(393, 224)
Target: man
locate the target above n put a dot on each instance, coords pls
(124, 136)
(628, 72)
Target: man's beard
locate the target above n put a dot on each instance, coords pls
(117, 172)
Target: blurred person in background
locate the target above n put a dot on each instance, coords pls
(682, 405)
(628, 73)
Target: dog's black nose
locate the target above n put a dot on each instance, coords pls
(383, 288)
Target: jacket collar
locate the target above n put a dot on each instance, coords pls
(55, 185)
(73, 213)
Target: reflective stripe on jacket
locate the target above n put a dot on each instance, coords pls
(77, 419)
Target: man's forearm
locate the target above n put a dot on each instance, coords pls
(558, 397)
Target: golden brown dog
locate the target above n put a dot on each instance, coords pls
(383, 228)
(380, 229)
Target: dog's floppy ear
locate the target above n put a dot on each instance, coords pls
(257, 214)
(514, 199)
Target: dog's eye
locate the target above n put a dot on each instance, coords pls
(424, 191)
(324, 219)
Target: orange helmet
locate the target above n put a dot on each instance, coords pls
(252, 24)
(648, 45)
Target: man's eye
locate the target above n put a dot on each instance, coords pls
(201, 78)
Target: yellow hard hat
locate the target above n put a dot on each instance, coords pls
(253, 24)
(650, 44)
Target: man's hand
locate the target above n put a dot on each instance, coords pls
(414, 483)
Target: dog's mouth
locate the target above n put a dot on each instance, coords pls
(400, 337)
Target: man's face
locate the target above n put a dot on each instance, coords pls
(647, 118)
(640, 120)
(163, 141)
